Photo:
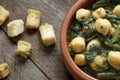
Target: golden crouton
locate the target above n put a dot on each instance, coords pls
(4, 70)
(23, 48)
(4, 14)
(47, 34)
(33, 19)
(15, 27)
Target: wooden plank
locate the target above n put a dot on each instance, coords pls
(20, 69)
(49, 60)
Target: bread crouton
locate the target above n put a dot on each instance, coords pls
(33, 19)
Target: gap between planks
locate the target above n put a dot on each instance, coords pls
(29, 57)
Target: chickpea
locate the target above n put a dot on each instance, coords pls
(86, 29)
(114, 59)
(92, 42)
(103, 26)
(98, 63)
(77, 44)
(80, 59)
(116, 10)
(99, 13)
(82, 13)
(112, 31)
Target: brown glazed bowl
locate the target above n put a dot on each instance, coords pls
(75, 71)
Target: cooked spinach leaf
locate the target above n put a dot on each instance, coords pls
(92, 53)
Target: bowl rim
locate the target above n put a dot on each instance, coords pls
(75, 71)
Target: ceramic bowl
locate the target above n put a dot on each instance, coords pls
(75, 71)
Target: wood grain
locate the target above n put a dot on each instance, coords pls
(20, 69)
(47, 60)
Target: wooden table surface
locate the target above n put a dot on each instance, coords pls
(45, 63)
